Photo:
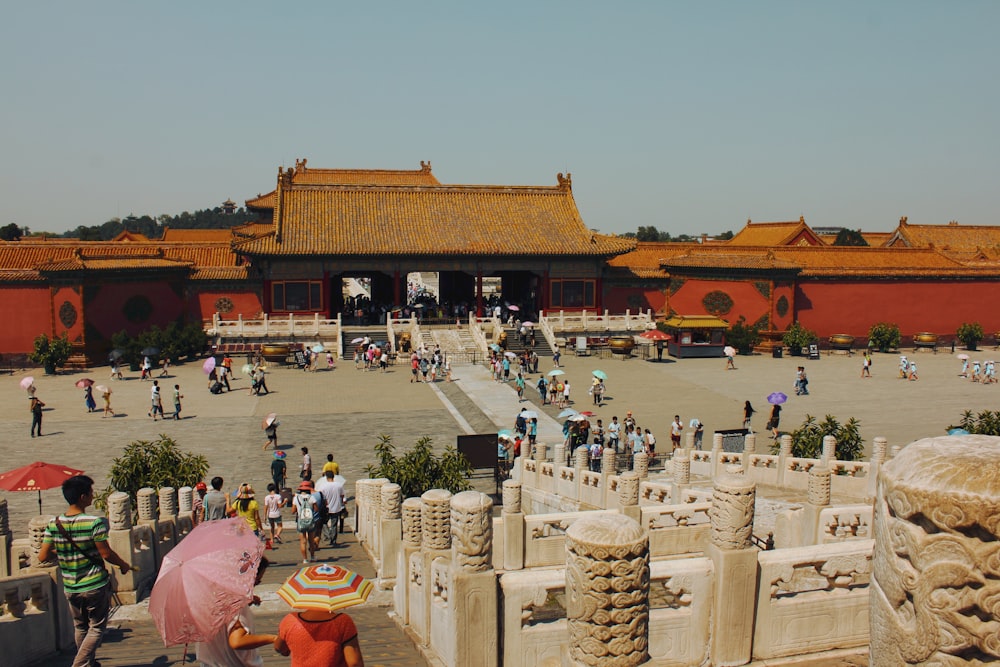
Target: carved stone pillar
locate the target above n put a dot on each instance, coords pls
(185, 500)
(559, 458)
(392, 501)
(682, 466)
(640, 465)
(36, 532)
(879, 449)
(435, 519)
(716, 442)
(735, 560)
(472, 530)
(146, 498)
(895, 450)
(540, 451)
(581, 458)
(474, 587)
(411, 522)
(750, 443)
(786, 445)
(829, 448)
(511, 496)
(607, 592)
(513, 526)
(628, 494)
(609, 461)
(935, 587)
(391, 527)
(411, 509)
(819, 486)
(119, 511)
(168, 502)
(689, 439)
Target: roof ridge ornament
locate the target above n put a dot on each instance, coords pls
(902, 221)
(425, 167)
(300, 165)
(565, 182)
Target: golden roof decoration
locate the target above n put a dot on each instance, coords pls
(950, 238)
(301, 174)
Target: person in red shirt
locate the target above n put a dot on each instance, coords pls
(319, 639)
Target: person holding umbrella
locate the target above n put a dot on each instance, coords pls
(106, 395)
(35, 406)
(319, 634)
(774, 420)
(237, 644)
(79, 543)
(88, 396)
(270, 426)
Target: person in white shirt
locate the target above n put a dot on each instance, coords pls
(333, 492)
(675, 431)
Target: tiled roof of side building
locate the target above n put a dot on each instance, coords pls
(439, 220)
(196, 235)
(776, 234)
(646, 260)
(952, 236)
(830, 261)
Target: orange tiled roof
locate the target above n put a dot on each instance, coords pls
(196, 235)
(646, 259)
(827, 261)
(364, 220)
(22, 261)
(775, 234)
(303, 175)
(952, 237)
(125, 236)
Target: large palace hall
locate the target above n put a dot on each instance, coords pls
(317, 228)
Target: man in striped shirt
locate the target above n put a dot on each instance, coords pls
(80, 543)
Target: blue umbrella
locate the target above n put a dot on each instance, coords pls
(505, 433)
(600, 375)
(957, 431)
(494, 347)
(568, 412)
(317, 348)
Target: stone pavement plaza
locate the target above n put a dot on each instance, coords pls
(343, 411)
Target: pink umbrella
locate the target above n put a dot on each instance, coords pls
(209, 365)
(27, 382)
(205, 580)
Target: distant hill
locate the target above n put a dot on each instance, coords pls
(213, 218)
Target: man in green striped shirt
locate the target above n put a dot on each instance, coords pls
(80, 543)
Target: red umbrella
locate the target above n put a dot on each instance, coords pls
(84, 383)
(37, 476)
(654, 334)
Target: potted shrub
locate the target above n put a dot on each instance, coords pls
(743, 336)
(883, 336)
(51, 352)
(970, 334)
(797, 337)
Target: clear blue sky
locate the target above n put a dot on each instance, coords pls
(687, 116)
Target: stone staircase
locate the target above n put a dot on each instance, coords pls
(542, 347)
(375, 332)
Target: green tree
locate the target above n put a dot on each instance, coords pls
(725, 236)
(807, 440)
(51, 352)
(797, 337)
(986, 422)
(883, 336)
(419, 469)
(970, 334)
(11, 232)
(850, 237)
(743, 336)
(156, 464)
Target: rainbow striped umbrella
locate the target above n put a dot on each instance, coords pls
(325, 588)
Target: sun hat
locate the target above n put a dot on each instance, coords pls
(279, 454)
(201, 486)
(246, 491)
(306, 485)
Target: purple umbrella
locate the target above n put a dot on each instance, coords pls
(208, 366)
(777, 398)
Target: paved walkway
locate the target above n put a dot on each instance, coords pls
(344, 411)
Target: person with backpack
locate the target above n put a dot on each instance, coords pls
(306, 512)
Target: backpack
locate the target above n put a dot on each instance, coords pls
(305, 518)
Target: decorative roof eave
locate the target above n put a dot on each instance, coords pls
(220, 273)
(903, 273)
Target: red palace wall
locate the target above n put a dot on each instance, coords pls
(105, 314)
(747, 299)
(29, 313)
(635, 299)
(938, 307)
(202, 305)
